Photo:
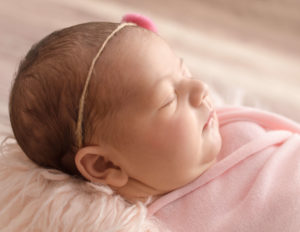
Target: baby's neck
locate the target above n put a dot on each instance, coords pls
(135, 191)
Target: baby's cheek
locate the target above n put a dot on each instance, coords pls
(178, 131)
(175, 135)
(181, 135)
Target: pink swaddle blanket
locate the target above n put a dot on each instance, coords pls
(254, 186)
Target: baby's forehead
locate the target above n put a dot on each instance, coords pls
(143, 54)
(134, 61)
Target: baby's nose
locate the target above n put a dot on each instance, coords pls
(198, 93)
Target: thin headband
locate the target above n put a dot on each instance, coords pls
(128, 20)
(78, 132)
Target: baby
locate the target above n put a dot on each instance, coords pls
(112, 104)
(147, 127)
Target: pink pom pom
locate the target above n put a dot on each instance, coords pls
(140, 20)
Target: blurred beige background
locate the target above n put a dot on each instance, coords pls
(248, 51)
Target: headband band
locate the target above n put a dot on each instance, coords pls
(78, 132)
(128, 20)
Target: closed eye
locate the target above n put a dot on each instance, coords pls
(170, 102)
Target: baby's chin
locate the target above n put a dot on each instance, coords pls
(204, 167)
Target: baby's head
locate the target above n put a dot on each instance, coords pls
(144, 128)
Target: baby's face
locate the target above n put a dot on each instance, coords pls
(170, 136)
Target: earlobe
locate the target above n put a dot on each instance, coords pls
(92, 162)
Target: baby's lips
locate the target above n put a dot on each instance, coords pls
(141, 21)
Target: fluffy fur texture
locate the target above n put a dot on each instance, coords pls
(36, 199)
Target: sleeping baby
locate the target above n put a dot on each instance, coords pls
(112, 104)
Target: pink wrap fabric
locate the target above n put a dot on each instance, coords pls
(254, 185)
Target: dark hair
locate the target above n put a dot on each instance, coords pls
(45, 95)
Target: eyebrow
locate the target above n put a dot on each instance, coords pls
(180, 66)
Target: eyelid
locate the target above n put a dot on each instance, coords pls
(174, 97)
(170, 101)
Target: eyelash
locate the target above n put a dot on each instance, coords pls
(173, 99)
(175, 93)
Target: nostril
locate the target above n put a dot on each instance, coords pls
(198, 98)
(204, 94)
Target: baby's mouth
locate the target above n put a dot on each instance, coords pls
(211, 112)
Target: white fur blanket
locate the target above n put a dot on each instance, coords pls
(36, 199)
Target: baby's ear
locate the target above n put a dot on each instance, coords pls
(93, 164)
